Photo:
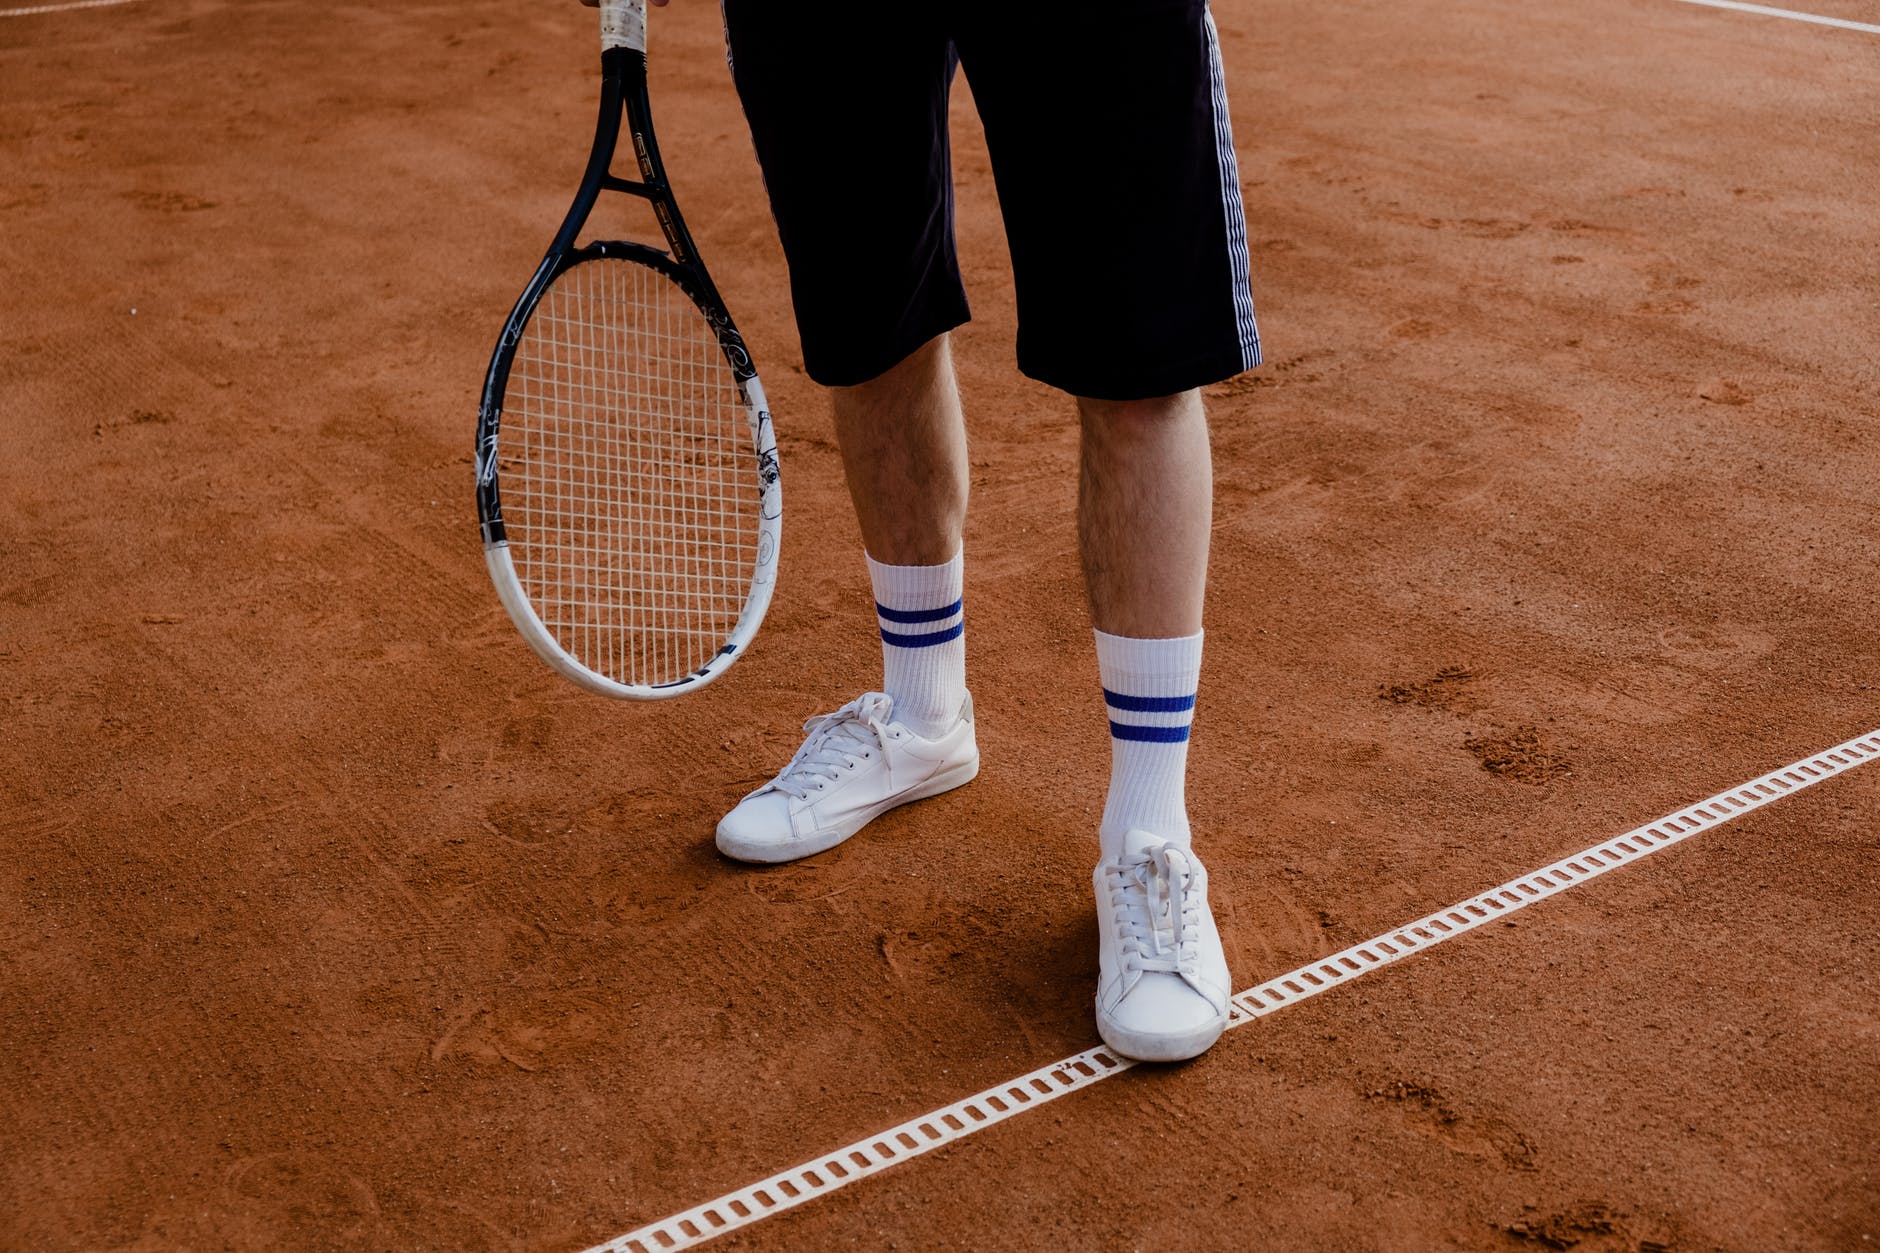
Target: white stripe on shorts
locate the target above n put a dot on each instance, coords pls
(1230, 204)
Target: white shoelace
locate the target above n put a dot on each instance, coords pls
(836, 741)
(1157, 917)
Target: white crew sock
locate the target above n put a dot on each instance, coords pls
(923, 641)
(1149, 686)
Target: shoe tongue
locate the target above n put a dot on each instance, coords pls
(1135, 842)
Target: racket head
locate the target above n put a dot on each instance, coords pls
(627, 474)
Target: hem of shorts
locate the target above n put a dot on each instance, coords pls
(898, 351)
(1169, 380)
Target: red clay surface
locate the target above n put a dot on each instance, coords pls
(335, 921)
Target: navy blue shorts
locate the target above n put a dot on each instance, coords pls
(1107, 125)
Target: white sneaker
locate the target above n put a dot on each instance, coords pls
(857, 764)
(1162, 981)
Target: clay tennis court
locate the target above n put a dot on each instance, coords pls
(334, 920)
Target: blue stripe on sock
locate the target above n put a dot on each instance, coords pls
(1148, 735)
(919, 615)
(1148, 704)
(924, 641)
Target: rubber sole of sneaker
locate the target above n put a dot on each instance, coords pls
(1144, 1047)
(767, 854)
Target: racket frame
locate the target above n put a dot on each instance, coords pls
(624, 95)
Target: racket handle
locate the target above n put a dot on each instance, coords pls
(623, 24)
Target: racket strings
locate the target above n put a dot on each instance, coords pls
(630, 492)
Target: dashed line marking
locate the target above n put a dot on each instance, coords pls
(1791, 14)
(60, 8)
(823, 1174)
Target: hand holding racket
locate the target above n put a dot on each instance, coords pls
(626, 469)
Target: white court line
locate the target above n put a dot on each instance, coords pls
(821, 1175)
(60, 8)
(1791, 14)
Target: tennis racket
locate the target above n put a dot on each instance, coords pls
(626, 469)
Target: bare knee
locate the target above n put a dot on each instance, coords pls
(1125, 415)
(911, 376)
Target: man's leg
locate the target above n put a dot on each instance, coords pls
(864, 206)
(1145, 509)
(904, 453)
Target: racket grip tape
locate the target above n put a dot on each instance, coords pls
(623, 24)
